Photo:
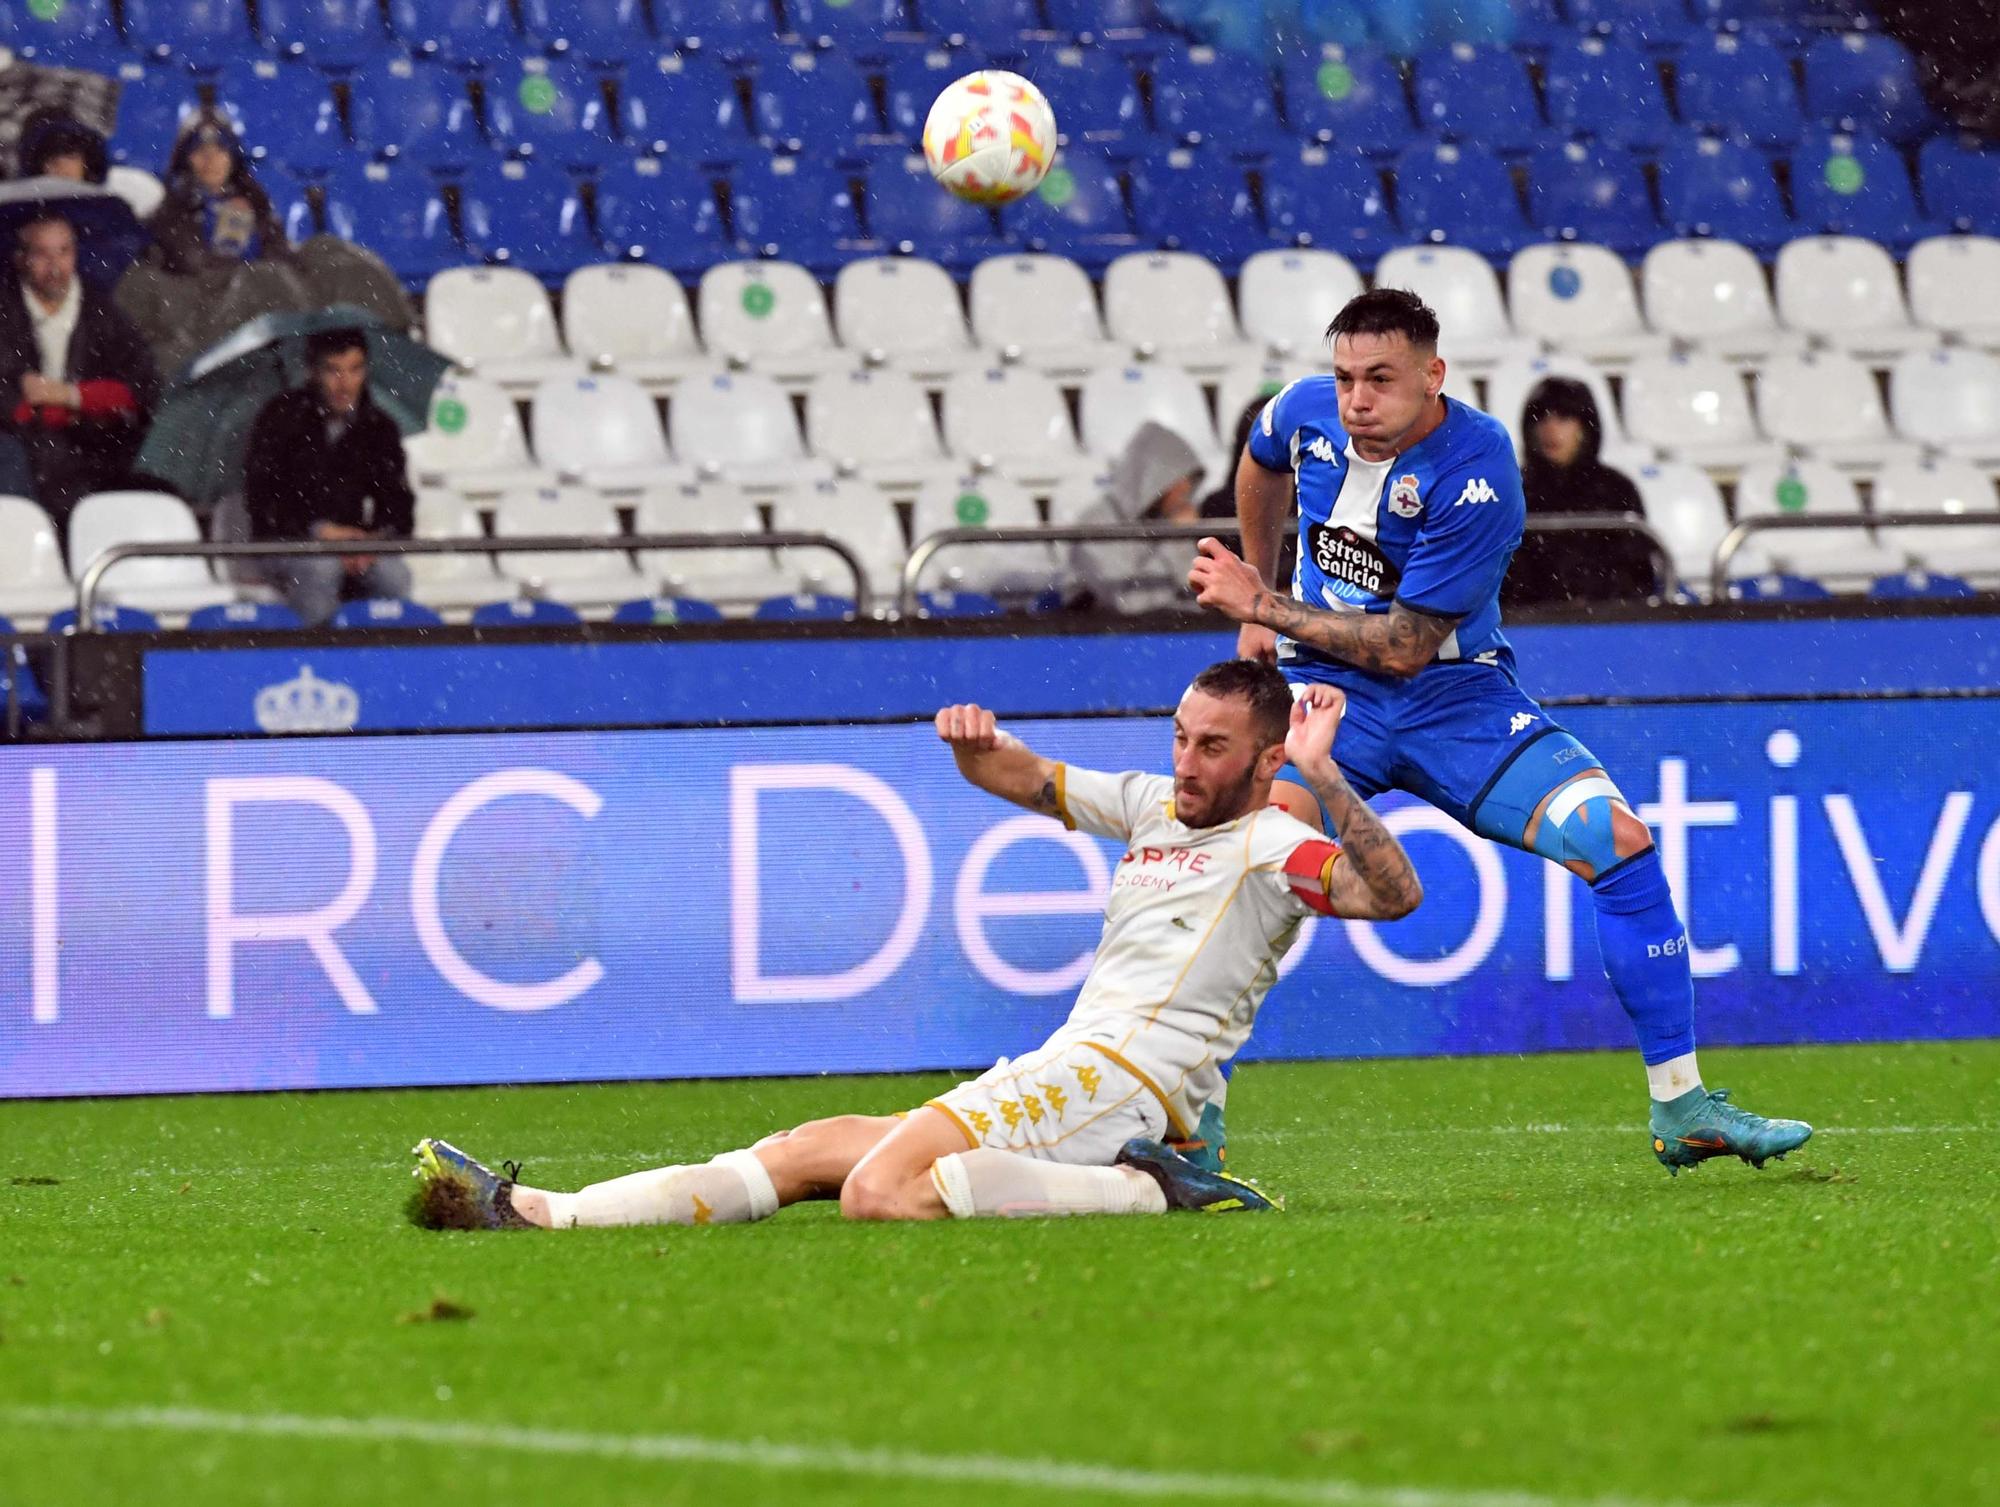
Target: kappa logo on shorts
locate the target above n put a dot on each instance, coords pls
(1476, 491)
(1404, 501)
(1520, 720)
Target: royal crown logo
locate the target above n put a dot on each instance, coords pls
(308, 705)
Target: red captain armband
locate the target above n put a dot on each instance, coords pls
(1309, 871)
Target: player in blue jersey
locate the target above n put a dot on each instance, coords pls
(1410, 507)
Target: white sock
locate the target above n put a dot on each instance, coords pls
(975, 1183)
(732, 1189)
(1671, 1079)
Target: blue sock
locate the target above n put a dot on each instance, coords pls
(1645, 951)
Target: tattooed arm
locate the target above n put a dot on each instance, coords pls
(997, 762)
(1371, 878)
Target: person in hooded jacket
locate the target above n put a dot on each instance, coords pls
(1155, 479)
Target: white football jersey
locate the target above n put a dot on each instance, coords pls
(1197, 922)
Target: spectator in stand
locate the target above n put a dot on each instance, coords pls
(76, 380)
(326, 463)
(1562, 430)
(58, 145)
(1221, 503)
(1154, 480)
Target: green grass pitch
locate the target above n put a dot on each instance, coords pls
(1484, 1294)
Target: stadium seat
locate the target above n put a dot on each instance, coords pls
(740, 425)
(152, 102)
(1589, 191)
(33, 582)
(1920, 585)
(1776, 586)
(1961, 183)
(663, 212)
(1711, 186)
(1661, 25)
(1579, 298)
(1008, 416)
(1685, 509)
(385, 612)
(109, 619)
(817, 103)
(791, 208)
(197, 34)
(1694, 408)
(524, 612)
(1253, 380)
(1477, 94)
(451, 580)
(1198, 202)
(734, 575)
(685, 108)
(462, 34)
(634, 320)
(242, 617)
(905, 313)
(1175, 306)
(586, 577)
(1329, 200)
(877, 425)
(726, 28)
(79, 34)
(1847, 559)
(1607, 91)
(1077, 212)
(1218, 98)
(526, 215)
(1001, 570)
(1827, 405)
(1712, 294)
(954, 604)
(398, 213)
(1116, 401)
(1462, 288)
(665, 611)
(1940, 485)
(104, 519)
(1844, 291)
(771, 317)
(1290, 297)
(1866, 79)
(907, 214)
(1856, 184)
(1458, 192)
(1107, 22)
(985, 28)
(911, 80)
(1348, 99)
(859, 516)
(592, 31)
(1041, 311)
(552, 112)
(1099, 94)
(1741, 86)
(1510, 384)
(336, 35)
(400, 108)
(474, 441)
(285, 114)
(604, 431)
(1955, 287)
(860, 29)
(498, 323)
(1948, 399)
(804, 607)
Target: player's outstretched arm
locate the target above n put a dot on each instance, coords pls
(1372, 879)
(998, 762)
(1400, 641)
(1263, 498)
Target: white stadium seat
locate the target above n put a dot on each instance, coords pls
(1685, 509)
(1006, 416)
(741, 426)
(856, 514)
(1694, 408)
(632, 319)
(1247, 382)
(1040, 311)
(582, 578)
(138, 188)
(1950, 400)
(1116, 401)
(1579, 299)
(1713, 294)
(1955, 287)
(33, 583)
(604, 431)
(451, 581)
(496, 322)
(1462, 286)
(1827, 404)
(160, 585)
(1290, 297)
(1173, 305)
(983, 502)
(474, 442)
(771, 317)
(1941, 485)
(1844, 291)
(1843, 558)
(903, 312)
(876, 424)
(1510, 385)
(734, 577)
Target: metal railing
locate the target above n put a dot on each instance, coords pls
(1738, 536)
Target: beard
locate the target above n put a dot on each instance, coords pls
(1225, 804)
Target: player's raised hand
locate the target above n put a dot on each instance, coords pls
(1316, 718)
(1222, 579)
(969, 728)
(1255, 641)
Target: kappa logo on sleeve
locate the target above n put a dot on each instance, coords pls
(1322, 449)
(1476, 491)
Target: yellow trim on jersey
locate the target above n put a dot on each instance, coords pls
(971, 1140)
(1174, 1121)
(1062, 797)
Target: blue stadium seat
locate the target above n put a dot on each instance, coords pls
(291, 198)
(385, 612)
(993, 29)
(910, 82)
(1914, 585)
(908, 212)
(1540, 24)
(722, 27)
(1110, 23)
(689, 112)
(1607, 91)
(285, 114)
(1864, 80)
(552, 112)
(957, 604)
(1199, 202)
(242, 617)
(806, 607)
(589, 31)
(1351, 99)
(1462, 194)
(661, 211)
(1777, 587)
(337, 35)
(1661, 25)
(1215, 97)
(1580, 191)
(666, 610)
(524, 612)
(526, 215)
(150, 107)
(1478, 94)
(1740, 86)
(34, 704)
(799, 212)
(79, 34)
(1078, 212)
(1710, 186)
(463, 34)
(812, 103)
(858, 29)
(1096, 94)
(1961, 181)
(396, 212)
(1332, 200)
(108, 618)
(419, 111)
(197, 34)
(1857, 185)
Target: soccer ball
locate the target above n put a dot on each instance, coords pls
(990, 137)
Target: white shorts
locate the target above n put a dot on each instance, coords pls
(1069, 1101)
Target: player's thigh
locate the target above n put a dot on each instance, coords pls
(1362, 747)
(1066, 1102)
(893, 1180)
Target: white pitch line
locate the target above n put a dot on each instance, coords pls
(1059, 1476)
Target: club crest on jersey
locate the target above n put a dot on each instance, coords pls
(1403, 499)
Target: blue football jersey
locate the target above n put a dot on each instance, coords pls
(1433, 528)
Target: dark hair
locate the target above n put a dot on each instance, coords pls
(1387, 311)
(321, 344)
(1251, 680)
(1564, 397)
(41, 217)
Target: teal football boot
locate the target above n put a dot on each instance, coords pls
(1698, 1125)
(1208, 1148)
(456, 1193)
(1190, 1187)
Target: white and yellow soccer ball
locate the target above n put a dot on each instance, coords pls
(990, 137)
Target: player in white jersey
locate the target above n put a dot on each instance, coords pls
(1209, 895)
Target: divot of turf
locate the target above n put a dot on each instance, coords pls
(440, 1310)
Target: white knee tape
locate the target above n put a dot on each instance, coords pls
(954, 1185)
